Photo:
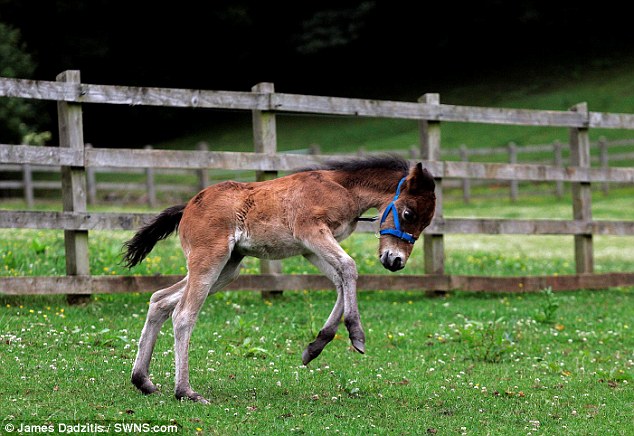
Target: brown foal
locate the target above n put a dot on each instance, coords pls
(306, 213)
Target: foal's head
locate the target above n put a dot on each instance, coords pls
(406, 217)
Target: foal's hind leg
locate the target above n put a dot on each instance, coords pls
(162, 305)
(205, 277)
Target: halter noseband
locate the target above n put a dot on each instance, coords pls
(391, 208)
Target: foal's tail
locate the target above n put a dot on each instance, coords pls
(156, 230)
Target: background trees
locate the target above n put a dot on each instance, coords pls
(373, 48)
(16, 115)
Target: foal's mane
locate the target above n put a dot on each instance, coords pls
(390, 162)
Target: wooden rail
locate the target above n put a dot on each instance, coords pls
(124, 158)
(279, 102)
(76, 161)
(274, 282)
(25, 185)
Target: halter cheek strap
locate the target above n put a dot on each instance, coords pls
(391, 208)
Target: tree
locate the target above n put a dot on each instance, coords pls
(17, 116)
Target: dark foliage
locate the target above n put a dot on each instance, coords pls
(369, 48)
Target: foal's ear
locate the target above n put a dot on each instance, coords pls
(420, 180)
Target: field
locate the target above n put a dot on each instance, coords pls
(467, 364)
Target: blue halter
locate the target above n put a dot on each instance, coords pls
(391, 208)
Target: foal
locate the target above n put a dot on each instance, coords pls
(306, 213)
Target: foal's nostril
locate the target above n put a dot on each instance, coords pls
(383, 258)
(393, 263)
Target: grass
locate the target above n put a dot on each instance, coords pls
(467, 364)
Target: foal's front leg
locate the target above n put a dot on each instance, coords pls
(329, 330)
(341, 269)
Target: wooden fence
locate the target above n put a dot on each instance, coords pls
(554, 153)
(75, 160)
(21, 182)
(24, 185)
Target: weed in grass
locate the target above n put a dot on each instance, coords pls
(244, 344)
(486, 341)
(395, 339)
(548, 308)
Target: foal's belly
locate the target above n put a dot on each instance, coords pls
(279, 245)
(276, 247)
(265, 251)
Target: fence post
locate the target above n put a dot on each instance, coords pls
(149, 183)
(314, 149)
(203, 173)
(603, 159)
(71, 135)
(512, 149)
(265, 141)
(434, 244)
(466, 183)
(91, 180)
(559, 163)
(581, 192)
(27, 183)
(414, 152)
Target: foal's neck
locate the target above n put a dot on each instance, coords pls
(372, 188)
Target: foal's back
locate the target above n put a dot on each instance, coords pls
(269, 219)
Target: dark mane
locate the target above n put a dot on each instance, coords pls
(382, 161)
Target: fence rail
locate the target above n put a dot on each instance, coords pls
(77, 161)
(75, 92)
(275, 282)
(25, 184)
(490, 226)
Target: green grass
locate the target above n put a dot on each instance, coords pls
(474, 364)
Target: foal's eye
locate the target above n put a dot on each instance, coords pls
(408, 215)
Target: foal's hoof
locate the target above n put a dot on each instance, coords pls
(357, 338)
(309, 354)
(359, 345)
(315, 348)
(356, 335)
(144, 384)
(191, 395)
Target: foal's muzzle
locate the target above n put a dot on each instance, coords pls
(392, 261)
